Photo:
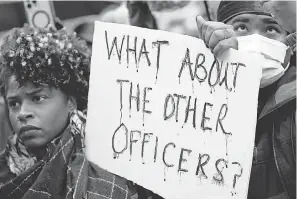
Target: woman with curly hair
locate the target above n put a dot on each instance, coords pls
(45, 79)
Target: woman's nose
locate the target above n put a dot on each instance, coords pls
(24, 113)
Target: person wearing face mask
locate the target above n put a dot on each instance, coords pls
(273, 173)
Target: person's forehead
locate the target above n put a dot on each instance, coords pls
(248, 17)
(14, 88)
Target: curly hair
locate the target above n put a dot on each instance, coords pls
(47, 57)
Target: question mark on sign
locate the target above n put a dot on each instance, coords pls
(236, 176)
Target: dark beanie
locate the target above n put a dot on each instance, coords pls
(229, 9)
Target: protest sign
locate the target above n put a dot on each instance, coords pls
(164, 113)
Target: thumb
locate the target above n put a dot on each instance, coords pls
(200, 21)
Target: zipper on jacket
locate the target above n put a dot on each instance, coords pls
(277, 166)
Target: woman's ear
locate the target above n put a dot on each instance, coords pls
(71, 103)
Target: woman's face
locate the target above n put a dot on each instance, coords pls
(37, 115)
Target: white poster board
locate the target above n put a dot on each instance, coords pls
(167, 115)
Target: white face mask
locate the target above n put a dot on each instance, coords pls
(273, 53)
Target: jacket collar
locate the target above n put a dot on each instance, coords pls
(285, 92)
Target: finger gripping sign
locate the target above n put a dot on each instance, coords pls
(166, 114)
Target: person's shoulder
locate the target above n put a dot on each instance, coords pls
(104, 178)
(284, 96)
(286, 90)
(97, 172)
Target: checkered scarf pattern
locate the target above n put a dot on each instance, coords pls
(65, 173)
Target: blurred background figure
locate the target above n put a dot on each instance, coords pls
(114, 13)
(86, 31)
(172, 16)
(179, 16)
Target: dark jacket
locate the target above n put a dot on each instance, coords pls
(273, 173)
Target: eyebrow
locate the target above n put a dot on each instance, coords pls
(32, 92)
(11, 97)
(270, 21)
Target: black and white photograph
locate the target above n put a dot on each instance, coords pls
(147, 99)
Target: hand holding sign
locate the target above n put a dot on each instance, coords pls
(164, 113)
(219, 37)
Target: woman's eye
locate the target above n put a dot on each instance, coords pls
(12, 104)
(38, 98)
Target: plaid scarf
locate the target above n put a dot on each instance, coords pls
(63, 173)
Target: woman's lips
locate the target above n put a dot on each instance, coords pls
(28, 131)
